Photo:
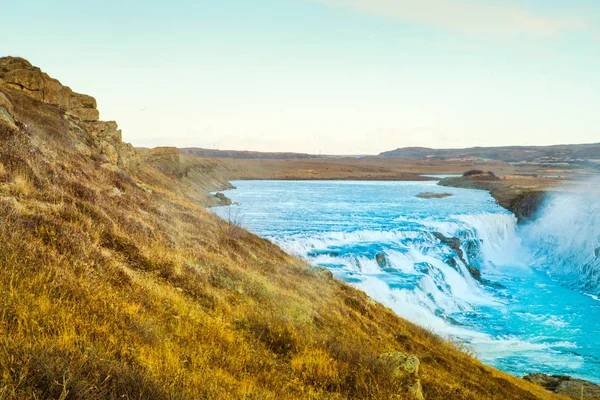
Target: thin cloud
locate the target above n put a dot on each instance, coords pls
(473, 16)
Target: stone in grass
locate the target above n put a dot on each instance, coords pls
(405, 369)
(433, 195)
(322, 272)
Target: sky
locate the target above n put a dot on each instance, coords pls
(323, 76)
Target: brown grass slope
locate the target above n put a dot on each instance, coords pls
(119, 285)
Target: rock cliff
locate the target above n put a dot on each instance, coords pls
(91, 137)
(20, 74)
(521, 195)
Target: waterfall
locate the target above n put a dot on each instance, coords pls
(565, 238)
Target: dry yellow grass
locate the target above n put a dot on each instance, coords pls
(140, 293)
(21, 186)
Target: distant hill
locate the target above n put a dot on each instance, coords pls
(200, 152)
(557, 153)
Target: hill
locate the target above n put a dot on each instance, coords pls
(116, 282)
(200, 152)
(538, 154)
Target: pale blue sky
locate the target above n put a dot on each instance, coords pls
(331, 76)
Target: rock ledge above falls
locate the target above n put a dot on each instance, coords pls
(20, 74)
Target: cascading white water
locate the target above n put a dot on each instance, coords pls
(565, 238)
(398, 248)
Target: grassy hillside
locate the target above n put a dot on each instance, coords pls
(116, 283)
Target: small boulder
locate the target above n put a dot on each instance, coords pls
(381, 260)
(322, 272)
(404, 368)
(223, 200)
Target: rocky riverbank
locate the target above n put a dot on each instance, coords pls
(521, 195)
(566, 386)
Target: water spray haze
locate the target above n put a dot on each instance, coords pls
(565, 238)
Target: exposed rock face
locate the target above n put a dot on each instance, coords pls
(4, 103)
(165, 159)
(523, 199)
(96, 138)
(404, 368)
(113, 151)
(20, 74)
(566, 386)
(526, 206)
(6, 110)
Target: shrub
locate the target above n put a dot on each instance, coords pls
(22, 186)
(233, 224)
(473, 172)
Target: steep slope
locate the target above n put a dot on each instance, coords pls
(116, 283)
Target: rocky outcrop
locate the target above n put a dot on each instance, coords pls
(566, 386)
(20, 74)
(322, 272)
(454, 244)
(526, 205)
(6, 111)
(223, 200)
(524, 198)
(97, 139)
(165, 159)
(114, 153)
(404, 368)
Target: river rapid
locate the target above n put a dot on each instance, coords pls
(536, 308)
